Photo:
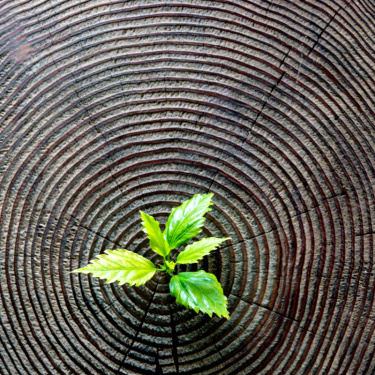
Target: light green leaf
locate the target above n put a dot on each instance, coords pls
(121, 265)
(185, 221)
(171, 265)
(199, 291)
(158, 242)
(199, 249)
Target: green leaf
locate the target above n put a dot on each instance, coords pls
(158, 242)
(121, 265)
(199, 249)
(185, 221)
(199, 291)
(171, 265)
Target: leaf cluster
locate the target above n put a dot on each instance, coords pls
(199, 290)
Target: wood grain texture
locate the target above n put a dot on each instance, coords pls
(111, 107)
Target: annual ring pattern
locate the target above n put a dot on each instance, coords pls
(113, 107)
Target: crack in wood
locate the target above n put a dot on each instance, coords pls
(138, 330)
(326, 26)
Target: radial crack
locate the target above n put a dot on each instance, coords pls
(138, 330)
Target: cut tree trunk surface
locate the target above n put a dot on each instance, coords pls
(111, 107)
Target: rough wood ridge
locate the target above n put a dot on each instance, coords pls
(108, 107)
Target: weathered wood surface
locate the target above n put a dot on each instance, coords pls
(109, 107)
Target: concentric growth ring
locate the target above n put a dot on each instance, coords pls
(108, 108)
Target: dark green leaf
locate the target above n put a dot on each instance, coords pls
(186, 221)
(199, 291)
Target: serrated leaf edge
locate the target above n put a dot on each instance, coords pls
(87, 270)
(187, 248)
(206, 311)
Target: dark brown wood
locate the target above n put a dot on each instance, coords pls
(111, 107)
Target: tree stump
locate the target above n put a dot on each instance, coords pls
(111, 107)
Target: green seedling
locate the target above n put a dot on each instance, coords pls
(199, 290)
